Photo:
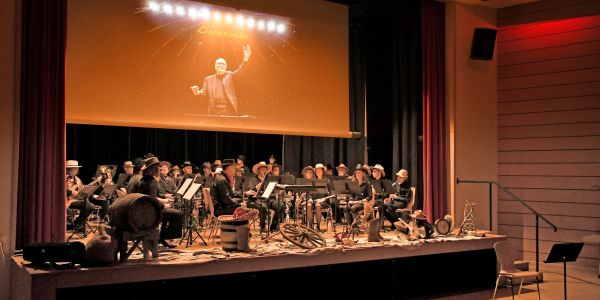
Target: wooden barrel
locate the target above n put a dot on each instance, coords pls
(229, 240)
(135, 212)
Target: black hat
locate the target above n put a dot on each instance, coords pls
(187, 163)
(149, 162)
(150, 154)
(240, 157)
(227, 162)
(206, 165)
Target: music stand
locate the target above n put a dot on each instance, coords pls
(190, 226)
(565, 252)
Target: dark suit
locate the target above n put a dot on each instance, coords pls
(213, 82)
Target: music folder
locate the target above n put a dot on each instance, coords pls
(184, 186)
(192, 191)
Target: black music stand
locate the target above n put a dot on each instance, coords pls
(565, 252)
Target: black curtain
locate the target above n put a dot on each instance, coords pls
(92, 145)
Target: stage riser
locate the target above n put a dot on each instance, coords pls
(411, 277)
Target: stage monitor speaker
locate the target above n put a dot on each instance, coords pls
(484, 40)
(40, 253)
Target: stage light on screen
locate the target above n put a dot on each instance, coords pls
(167, 8)
(180, 10)
(251, 23)
(239, 20)
(280, 28)
(271, 25)
(205, 13)
(228, 18)
(217, 16)
(153, 6)
(261, 25)
(192, 13)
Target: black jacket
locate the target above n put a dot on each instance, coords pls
(403, 191)
(222, 193)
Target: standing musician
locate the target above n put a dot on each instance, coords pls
(222, 191)
(357, 205)
(171, 227)
(74, 186)
(400, 198)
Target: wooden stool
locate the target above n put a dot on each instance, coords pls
(149, 240)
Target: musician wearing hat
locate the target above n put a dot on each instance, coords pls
(320, 171)
(276, 170)
(171, 227)
(74, 186)
(222, 191)
(342, 170)
(188, 168)
(176, 175)
(124, 178)
(220, 88)
(257, 186)
(356, 206)
(400, 198)
(166, 184)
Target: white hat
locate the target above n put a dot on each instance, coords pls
(380, 168)
(259, 165)
(218, 170)
(128, 164)
(73, 164)
(402, 173)
(319, 166)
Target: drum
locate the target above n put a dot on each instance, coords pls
(444, 226)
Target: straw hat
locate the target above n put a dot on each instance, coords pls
(320, 166)
(402, 173)
(342, 166)
(306, 169)
(150, 162)
(380, 168)
(418, 214)
(259, 165)
(128, 164)
(73, 164)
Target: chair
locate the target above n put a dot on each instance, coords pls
(506, 256)
(212, 222)
(409, 207)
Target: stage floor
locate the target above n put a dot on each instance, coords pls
(275, 256)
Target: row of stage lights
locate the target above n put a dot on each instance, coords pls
(205, 13)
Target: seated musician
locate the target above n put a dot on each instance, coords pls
(342, 170)
(257, 185)
(275, 170)
(176, 175)
(74, 186)
(171, 227)
(400, 198)
(305, 199)
(166, 184)
(124, 177)
(356, 205)
(222, 189)
(104, 179)
(341, 200)
(378, 173)
(188, 168)
(320, 171)
(206, 169)
(240, 165)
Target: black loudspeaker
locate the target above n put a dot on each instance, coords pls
(41, 253)
(484, 40)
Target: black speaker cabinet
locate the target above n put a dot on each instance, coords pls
(484, 40)
(40, 253)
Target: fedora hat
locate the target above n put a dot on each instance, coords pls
(176, 168)
(150, 162)
(380, 168)
(306, 169)
(227, 162)
(206, 165)
(128, 164)
(342, 166)
(261, 164)
(72, 164)
(418, 214)
(320, 166)
(402, 173)
(362, 168)
(187, 163)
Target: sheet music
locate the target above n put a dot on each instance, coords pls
(269, 189)
(184, 186)
(192, 191)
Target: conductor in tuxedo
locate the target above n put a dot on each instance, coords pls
(220, 87)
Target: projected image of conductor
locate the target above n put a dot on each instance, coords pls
(220, 87)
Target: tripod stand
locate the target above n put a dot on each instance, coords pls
(190, 224)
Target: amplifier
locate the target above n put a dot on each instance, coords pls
(39, 253)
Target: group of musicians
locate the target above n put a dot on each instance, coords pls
(233, 184)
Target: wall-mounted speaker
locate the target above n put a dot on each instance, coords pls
(484, 40)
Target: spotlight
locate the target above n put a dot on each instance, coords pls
(180, 10)
(271, 25)
(251, 23)
(280, 28)
(261, 25)
(192, 12)
(167, 8)
(228, 18)
(239, 20)
(153, 6)
(217, 16)
(205, 13)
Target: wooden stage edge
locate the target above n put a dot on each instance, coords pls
(36, 283)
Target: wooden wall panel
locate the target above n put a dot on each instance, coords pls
(549, 123)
